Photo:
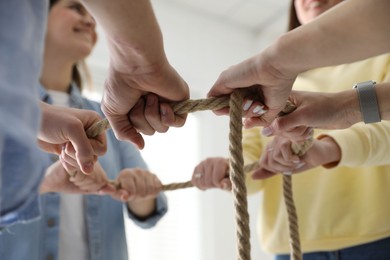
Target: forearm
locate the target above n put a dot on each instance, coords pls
(347, 103)
(142, 208)
(133, 34)
(351, 31)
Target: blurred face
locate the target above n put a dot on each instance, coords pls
(307, 10)
(71, 29)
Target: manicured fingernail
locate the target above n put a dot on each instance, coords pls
(258, 109)
(267, 131)
(287, 173)
(300, 165)
(247, 105)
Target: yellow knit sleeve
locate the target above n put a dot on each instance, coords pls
(364, 145)
(367, 145)
(252, 145)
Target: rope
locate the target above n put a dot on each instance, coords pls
(237, 176)
(237, 169)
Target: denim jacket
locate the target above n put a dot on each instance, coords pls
(104, 216)
(22, 31)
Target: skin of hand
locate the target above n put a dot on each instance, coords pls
(318, 110)
(150, 115)
(139, 188)
(123, 90)
(212, 173)
(266, 82)
(57, 179)
(279, 158)
(62, 125)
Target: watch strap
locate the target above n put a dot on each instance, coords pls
(368, 101)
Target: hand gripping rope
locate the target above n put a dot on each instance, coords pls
(236, 168)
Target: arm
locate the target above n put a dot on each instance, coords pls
(350, 31)
(328, 110)
(138, 63)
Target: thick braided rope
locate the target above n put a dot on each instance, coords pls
(237, 176)
(183, 107)
(236, 168)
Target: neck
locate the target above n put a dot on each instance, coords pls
(56, 73)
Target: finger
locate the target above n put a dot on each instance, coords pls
(129, 184)
(169, 118)
(141, 187)
(137, 116)
(77, 177)
(223, 111)
(68, 163)
(150, 184)
(157, 185)
(152, 114)
(282, 124)
(108, 189)
(262, 173)
(226, 184)
(50, 148)
(269, 161)
(234, 77)
(220, 173)
(69, 153)
(255, 109)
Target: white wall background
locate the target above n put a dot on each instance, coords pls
(199, 225)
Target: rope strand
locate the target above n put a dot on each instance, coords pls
(237, 170)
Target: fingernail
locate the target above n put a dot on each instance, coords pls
(197, 175)
(300, 165)
(247, 105)
(287, 173)
(267, 131)
(163, 110)
(88, 167)
(296, 161)
(258, 109)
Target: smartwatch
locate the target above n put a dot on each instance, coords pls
(368, 101)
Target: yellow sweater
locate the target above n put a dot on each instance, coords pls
(339, 207)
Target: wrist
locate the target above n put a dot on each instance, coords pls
(132, 57)
(332, 152)
(142, 208)
(347, 105)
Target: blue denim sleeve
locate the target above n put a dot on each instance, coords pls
(22, 168)
(22, 30)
